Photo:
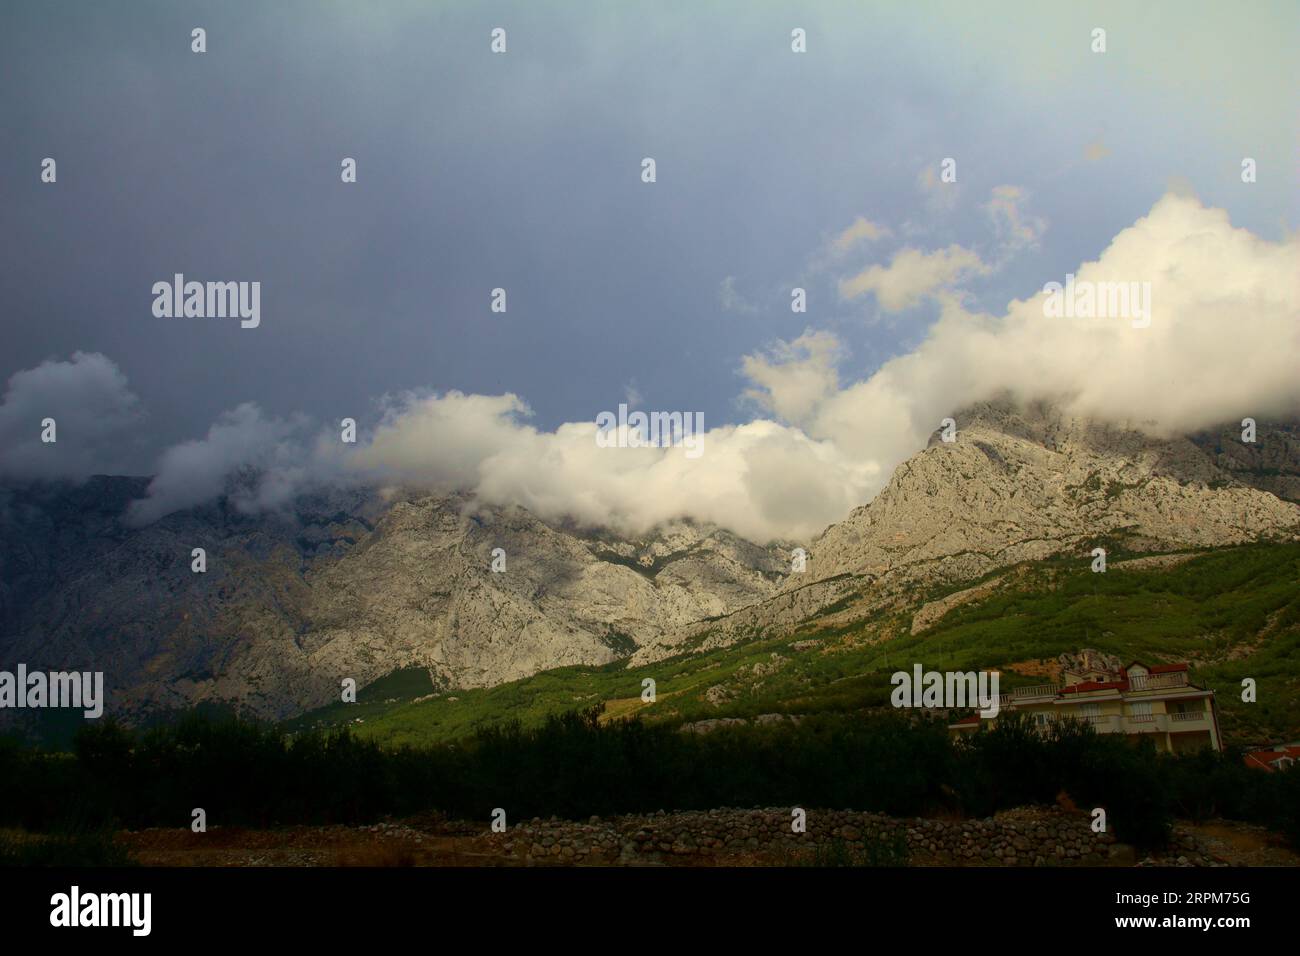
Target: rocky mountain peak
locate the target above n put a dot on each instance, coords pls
(349, 582)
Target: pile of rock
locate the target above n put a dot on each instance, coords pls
(1022, 837)
(1184, 850)
(395, 831)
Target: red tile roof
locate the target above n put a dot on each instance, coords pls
(1263, 759)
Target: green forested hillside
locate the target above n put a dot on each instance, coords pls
(1233, 613)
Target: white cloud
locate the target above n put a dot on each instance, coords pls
(1223, 344)
(441, 442)
(796, 377)
(479, 443)
(860, 230)
(93, 410)
(260, 463)
(913, 275)
(1017, 230)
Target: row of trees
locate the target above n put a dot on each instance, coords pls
(574, 766)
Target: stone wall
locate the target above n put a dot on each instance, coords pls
(1022, 837)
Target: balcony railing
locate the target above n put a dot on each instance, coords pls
(1023, 695)
(1100, 721)
(1117, 723)
(1158, 681)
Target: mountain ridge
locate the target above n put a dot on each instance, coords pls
(358, 584)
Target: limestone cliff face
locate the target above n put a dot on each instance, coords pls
(354, 584)
(1020, 484)
(348, 585)
(1271, 463)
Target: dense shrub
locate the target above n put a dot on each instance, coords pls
(574, 765)
(63, 849)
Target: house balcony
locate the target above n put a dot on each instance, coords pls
(1101, 723)
(1166, 723)
(1189, 720)
(1022, 695)
(1157, 682)
(1139, 723)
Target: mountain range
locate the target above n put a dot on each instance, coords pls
(355, 582)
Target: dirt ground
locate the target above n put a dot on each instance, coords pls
(1242, 844)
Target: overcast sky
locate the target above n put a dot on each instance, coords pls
(522, 170)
